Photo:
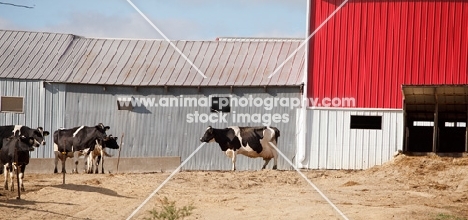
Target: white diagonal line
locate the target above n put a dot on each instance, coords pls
(167, 39)
(310, 182)
(308, 38)
(165, 181)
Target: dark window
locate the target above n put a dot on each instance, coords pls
(124, 105)
(220, 104)
(11, 104)
(366, 122)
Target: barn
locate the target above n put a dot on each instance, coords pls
(404, 65)
(59, 80)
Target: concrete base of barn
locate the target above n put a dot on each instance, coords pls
(126, 165)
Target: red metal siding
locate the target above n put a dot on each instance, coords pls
(370, 48)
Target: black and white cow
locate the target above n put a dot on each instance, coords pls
(10, 130)
(70, 142)
(249, 141)
(20, 146)
(38, 134)
(97, 155)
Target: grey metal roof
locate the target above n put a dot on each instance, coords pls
(30, 55)
(258, 39)
(153, 62)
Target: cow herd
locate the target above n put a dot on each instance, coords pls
(18, 141)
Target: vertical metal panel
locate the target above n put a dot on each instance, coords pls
(165, 131)
(33, 93)
(333, 145)
(370, 48)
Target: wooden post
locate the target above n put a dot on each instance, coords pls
(63, 178)
(405, 128)
(120, 148)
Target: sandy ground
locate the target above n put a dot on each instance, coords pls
(405, 188)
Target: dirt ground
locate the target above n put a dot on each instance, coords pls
(404, 188)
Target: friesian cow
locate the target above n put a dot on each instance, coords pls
(249, 141)
(70, 142)
(10, 130)
(38, 134)
(21, 145)
(97, 155)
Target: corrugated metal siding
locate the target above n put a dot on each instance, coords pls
(164, 131)
(156, 63)
(30, 55)
(54, 115)
(370, 48)
(33, 95)
(331, 144)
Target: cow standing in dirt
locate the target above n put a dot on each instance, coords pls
(97, 155)
(249, 141)
(15, 155)
(70, 142)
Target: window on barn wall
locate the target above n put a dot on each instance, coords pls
(124, 105)
(220, 104)
(11, 104)
(423, 123)
(449, 124)
(366, 122)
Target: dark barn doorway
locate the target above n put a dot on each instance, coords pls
(435, 118)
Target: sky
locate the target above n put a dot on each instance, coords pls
(177, 19)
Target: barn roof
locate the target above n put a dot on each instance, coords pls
(30, 55)
(69, 58)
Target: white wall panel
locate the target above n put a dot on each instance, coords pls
(332, 144)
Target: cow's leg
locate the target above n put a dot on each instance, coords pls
(275, 155)
(56, 161)
(21, 176)
(92, 163)
(95, 164)
(102, 162)
(75, 158)
(88, 162)
(12, 177)
(266, 163)
(232, 154)
(5, 173)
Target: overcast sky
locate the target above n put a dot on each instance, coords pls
(177, 19)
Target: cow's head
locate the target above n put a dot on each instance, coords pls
(111, 142)
(101, 131)
(102, 128)
(28, 142)
(21, 142)
(210, 134)
(38, 136)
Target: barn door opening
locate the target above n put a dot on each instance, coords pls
(435, 118)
